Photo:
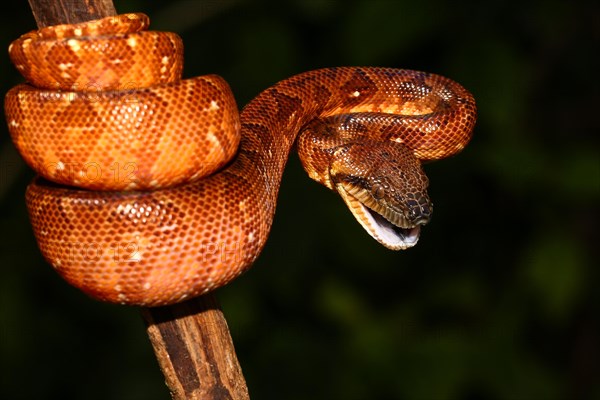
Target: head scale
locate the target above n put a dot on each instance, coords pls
(385, 188)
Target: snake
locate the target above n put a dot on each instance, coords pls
(152, 189)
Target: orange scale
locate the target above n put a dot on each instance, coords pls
(207, 227)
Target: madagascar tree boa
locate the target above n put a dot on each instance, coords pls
(153, 189)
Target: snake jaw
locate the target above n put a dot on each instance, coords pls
(397, 235)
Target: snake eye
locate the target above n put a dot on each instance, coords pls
(378, 191)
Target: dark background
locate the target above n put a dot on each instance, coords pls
(498, 301)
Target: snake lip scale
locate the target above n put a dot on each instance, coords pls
(197, 209)
(385, 225)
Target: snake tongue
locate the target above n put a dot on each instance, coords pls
(381, 229)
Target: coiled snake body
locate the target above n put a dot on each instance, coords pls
(106, 109)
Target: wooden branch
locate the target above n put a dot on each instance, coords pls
(54, 12)
(195, 351)
(191, 340)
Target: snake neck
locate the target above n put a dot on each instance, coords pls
(272, 121)
(381, 181)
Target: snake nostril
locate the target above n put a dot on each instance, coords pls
(425, 210)
(418, 211)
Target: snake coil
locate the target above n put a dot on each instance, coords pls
(153, 188)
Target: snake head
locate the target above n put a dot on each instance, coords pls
(385, 188)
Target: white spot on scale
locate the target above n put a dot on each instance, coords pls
(167, 228)
(63, 66)
(14, 123)
(132, 42)
(124, 208)
(212, 138)
(165, 60)
(77, 32)
(147, 286)
(118, 288)
(74, 44)
(213, 106)
(356, 93)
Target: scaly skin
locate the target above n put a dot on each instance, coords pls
(175, 228)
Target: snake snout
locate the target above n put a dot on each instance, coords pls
(419, 211)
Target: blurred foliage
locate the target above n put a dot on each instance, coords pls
(498, 301)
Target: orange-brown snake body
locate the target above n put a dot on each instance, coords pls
(144, 196)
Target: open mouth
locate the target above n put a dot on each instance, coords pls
(387, 227)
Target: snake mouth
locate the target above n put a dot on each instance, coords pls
(388, 227)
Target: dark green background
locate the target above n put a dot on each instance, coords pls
(498, 301)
